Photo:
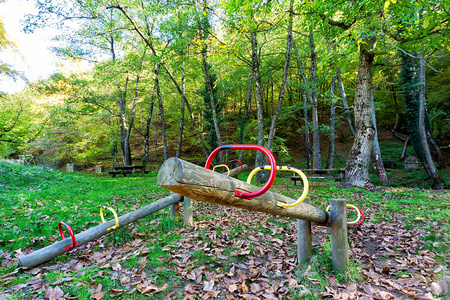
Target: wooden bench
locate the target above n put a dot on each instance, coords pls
(320, 174)
(114, 173)
(124, 170)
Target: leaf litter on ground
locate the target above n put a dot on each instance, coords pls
(239, 254)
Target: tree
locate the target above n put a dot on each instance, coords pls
(363, 25)
(5, 43)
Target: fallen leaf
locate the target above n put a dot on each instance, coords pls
(208, 285)
(56, 294)
(436, 289)
(98, 295)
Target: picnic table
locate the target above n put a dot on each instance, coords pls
(321, 174)
(27, 159)
(124, 170)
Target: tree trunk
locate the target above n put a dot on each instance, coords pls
(315, 118)
(147, 129)
(331, 149)
(344, 101)
(211, 95)
(306, 95)
(356, 172)
(124, 137)
(259, 102)
(161, 113)
(422, 128)
(244, 118)
(180, 133)
(376, 148)
(283, 80)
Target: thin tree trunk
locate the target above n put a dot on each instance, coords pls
(314, 112)
(124, 137)
(283, 80)
(306, 96)
(211, 99)
(356, 171)
(147, 129)
(331, 149)
(259, 101)
(376, 148)
(161, 113)
(405, 147)
(432, 172)
(244, 119)
(180, 133)
(344, 101)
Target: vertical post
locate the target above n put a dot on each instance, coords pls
(188, 212)
(304, 242)
(174, 209)
(339, 240)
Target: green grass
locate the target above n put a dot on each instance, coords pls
(34, 200)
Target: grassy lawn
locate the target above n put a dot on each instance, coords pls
(400, 252)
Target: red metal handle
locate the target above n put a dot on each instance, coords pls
(273, 164)
(233, 160)
(74, 242)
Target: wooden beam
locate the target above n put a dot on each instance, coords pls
(198, 183)
(42, 255)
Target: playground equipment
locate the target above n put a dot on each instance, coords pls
(285, 168)
(115, 217)
(269, 155)
(202, 184)
(358, 220)
(74, 241)
(237, 160)
(223, 166)
(42, 255)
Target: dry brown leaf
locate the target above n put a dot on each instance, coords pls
(117, 292)
(98, 295)
(116, 267)
(436, 289)
(124, 279)
(255, 288)
(232, 287)
(55, 294)
(208, 285)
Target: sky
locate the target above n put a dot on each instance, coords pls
(35, 60)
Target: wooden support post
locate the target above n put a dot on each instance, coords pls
(42, 255)
(304, 241)
(175, 209)
(198, 183)
(188, 212)
(339, 240)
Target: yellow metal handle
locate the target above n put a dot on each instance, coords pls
(225, 166)
(115, 216)
(358, 218)
(285, 168)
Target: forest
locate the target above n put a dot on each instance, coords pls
(145, 80)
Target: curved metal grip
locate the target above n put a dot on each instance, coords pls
(115, 216)
(273, 164)
(74, 242)
(240, 163)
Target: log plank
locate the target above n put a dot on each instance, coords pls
(198, 183)
(42, 255)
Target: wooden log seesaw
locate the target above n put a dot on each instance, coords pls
(198, 183)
